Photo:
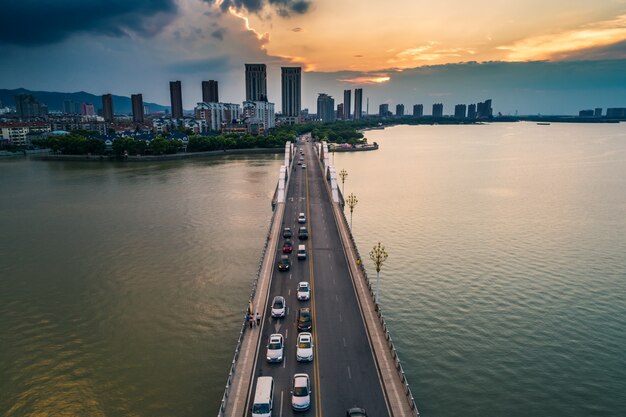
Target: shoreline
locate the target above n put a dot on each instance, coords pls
(153, 158)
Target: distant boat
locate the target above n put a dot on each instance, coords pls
(543, 123)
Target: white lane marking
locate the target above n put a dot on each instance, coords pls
(336, 297)
(340, 317)
(344, 342)
(286, 333)
(349, 374)
(284, 361)
(281, 403)
(334, 281)
(289, 292)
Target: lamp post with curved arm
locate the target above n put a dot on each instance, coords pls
(378, 255)
(351, 201)
(343, 174)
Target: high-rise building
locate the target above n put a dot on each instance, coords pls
(209, 92)
(87, 109)
(256, 82)
(460, 111)
(347, 102)
(399, 110)
(340, 111)
(418, 110)
(383, 110)
(260, 112)
(484, 110)
(176, 95)
(597, 112)
(471, 111)
(616, 112)
(107, 107)
(585, 113)
(358, 103)
(28, 106)
(325, 108)
(438, 110)
(291, 91)
(137, 101)
(68, 106)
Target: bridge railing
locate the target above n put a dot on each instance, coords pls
(233, 365)
(383, 323)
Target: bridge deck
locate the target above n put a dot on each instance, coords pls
(352, 364)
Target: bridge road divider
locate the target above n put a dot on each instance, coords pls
(398, 393)
(241, 371)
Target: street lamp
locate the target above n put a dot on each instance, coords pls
(343, 174)
(351, 201)
(378, 255)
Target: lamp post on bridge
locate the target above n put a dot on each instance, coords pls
(351, 201)
(343, 174)
(378, 255)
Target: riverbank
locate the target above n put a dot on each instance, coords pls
(153, 158)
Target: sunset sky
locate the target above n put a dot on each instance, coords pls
(398, 51)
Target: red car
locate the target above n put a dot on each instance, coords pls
(287, 246)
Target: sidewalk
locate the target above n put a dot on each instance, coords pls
(242, 380)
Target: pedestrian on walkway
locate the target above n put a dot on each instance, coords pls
(251, 321)
(258, 319)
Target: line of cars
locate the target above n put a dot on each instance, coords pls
(275, 353)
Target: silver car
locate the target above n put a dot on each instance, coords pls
(275, 348)
(301, 392)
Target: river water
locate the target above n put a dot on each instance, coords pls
(122, 285)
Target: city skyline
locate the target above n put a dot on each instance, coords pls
(507, 52)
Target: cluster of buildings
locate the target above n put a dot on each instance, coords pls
(482, 110)
(326, 107)
(611, 113)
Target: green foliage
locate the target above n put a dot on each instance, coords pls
(72, 144)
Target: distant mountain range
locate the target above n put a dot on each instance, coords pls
(54, 100)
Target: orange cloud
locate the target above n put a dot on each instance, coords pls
(367, 79)
(559, 45)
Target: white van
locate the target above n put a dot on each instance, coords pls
(301, 252)
(263, 397)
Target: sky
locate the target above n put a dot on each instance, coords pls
(529, 56)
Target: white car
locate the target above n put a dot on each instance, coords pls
(304, 291)
(275, 348)
(278, 306)
(303, 166)
(304, 351)
(301, 218)
(301, 392)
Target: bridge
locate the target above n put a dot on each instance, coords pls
(355, 363)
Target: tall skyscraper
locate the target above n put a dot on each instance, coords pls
(325, 108)
(340, 111)
(291, 91)
(438, 110)
(484, 110)
(209, 92)
(137, 101)
(107, 107)
(471, 111)
(176, 95)
(418, 110)
(460, 111)
(28, 106)
(347, 102)
(399, 110)
(383, 110)
(256, 82)
(358, 103)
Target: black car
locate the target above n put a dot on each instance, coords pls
(356, 412)
(284, 264)
(287, 233)
(303, 234)
(305, 320)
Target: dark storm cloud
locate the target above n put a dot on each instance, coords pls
(283, 7)
(33, 22)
